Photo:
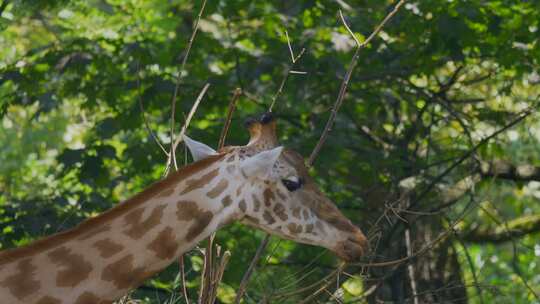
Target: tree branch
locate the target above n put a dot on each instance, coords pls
(505, 232)
(506, 170)
(347, 78)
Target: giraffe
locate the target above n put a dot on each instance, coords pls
(260, 184)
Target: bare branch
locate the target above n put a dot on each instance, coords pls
(469, 153)
(143, 113)
(346, 79)
(219, 275)
(251, 267)
(349, 29)
(506, 170)
(289, 71)
(183, 278)
(383, 23)
(232, 107)
(178, 81)
(513, 229)
(171, 160)
(290, 47)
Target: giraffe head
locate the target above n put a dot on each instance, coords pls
(276, 194)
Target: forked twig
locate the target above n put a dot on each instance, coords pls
(346, 79)
(178, 81)
(290, 70)
(219, 275)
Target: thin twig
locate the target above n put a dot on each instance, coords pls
(251, 267)
(472, 269)
(186, 124)
(442, 236)
(178, 81)
(349, 29)
(294, 59)
(219, 275)
(183, 278)
(203, 278)
(143, 113)
(470, 152)
(290, 47)
(208, 271)
(383, 23)
(232, 107)
(346, 79)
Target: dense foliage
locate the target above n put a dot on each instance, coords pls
(428, 154)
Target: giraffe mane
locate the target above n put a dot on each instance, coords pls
(90, 224)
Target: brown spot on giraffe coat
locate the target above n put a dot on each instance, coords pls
(165, 244)
(188, 210)
(218, 189)
(123, 274)
(201, 222)
(107, 248)
(242, 205)
(48, 300)
(137, 226)
(197, 183)
(268, 217)
(226, 201)
(88, 298)
(73, 267)
(294, 228)
(22, 283)
(256, 203)
(279, 210)
(268, 197)
(166, 193)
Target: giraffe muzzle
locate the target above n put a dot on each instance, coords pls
(353, 248)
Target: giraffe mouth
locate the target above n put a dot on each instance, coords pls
(353, 248)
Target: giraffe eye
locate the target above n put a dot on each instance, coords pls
(292, 185)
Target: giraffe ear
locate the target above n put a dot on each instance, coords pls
(261, 164)
(198, 149)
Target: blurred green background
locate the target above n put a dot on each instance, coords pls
(408, 154)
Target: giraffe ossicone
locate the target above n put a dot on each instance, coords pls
(260, 184)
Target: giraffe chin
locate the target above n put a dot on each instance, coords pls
(352, 249)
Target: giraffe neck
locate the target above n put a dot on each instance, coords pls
(104, 257)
